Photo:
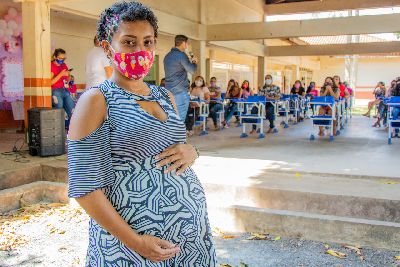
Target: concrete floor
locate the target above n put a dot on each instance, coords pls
(359, 151)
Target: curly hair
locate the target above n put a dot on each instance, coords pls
(111, 18)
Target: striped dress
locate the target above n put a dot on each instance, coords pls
(119, 158)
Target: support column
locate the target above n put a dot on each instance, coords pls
(36, 54)
(202, 59)
(262, 71)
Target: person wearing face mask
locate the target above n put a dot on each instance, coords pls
(129, 160)
(177, 65)
(72, 87)
(246, 90)
(271, 92)
(215, 104)
(328, 89)
(60, 77)
(379, 93)
(298, 89)
(198, 91)
(312, 90)
(235, 92)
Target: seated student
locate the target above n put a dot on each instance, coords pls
(344, 93)
(198, 91)
(72, 87)
(379, 92)
(271, 92)
(246, 90)
(215, 106)
(230, 83)
(312, 90)
(234, 92)
(396, 110)
(382, 108)
(297, 89)
(349, 89)
(328, 89)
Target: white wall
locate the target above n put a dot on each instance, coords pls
(370, 71)
(76, 38)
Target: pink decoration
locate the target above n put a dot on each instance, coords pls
(3, 24)
(18, 19)
(12, 12)
(11, 77)
(12, 25)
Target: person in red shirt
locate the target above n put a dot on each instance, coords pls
(344, 93)
(72, 87)
(60, 77)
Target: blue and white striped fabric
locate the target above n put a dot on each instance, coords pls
(119, 159)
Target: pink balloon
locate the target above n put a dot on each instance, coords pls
(3, 24)
(16, 33)
(18, 19)
(12, 25)
(9, 32)
(6, 39)
(12, 12)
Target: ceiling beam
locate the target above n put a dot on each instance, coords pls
(247, 47)
(326, 5)
(304, 28)
(334, 49)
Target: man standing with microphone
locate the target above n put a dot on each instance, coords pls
(177, 65)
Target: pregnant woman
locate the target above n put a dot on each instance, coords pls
(128, 160)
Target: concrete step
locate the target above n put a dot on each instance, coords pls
(20, 176)
(14, 198)
(325, 228)
(326, 195)
(55, 171)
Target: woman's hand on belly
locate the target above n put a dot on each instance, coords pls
(156, 249)
(180, 156)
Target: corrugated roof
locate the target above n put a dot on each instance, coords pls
(339, 39)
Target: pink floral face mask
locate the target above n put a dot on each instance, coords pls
(134, 66)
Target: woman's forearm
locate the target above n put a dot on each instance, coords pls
(100, 209)
(56, 78)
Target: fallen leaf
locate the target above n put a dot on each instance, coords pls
(277, 238)
(228, 236)
(225, 265)
(61, 232)
(356, 250)
(389, 182)
(255, 236)
(397, 258)
(326, 246)
(218, 231)
(56, 205)
(242, 264)
(298, 174)
(336, 254)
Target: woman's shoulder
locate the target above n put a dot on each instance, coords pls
(90, 112)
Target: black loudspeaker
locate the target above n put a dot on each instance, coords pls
(46, 132)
